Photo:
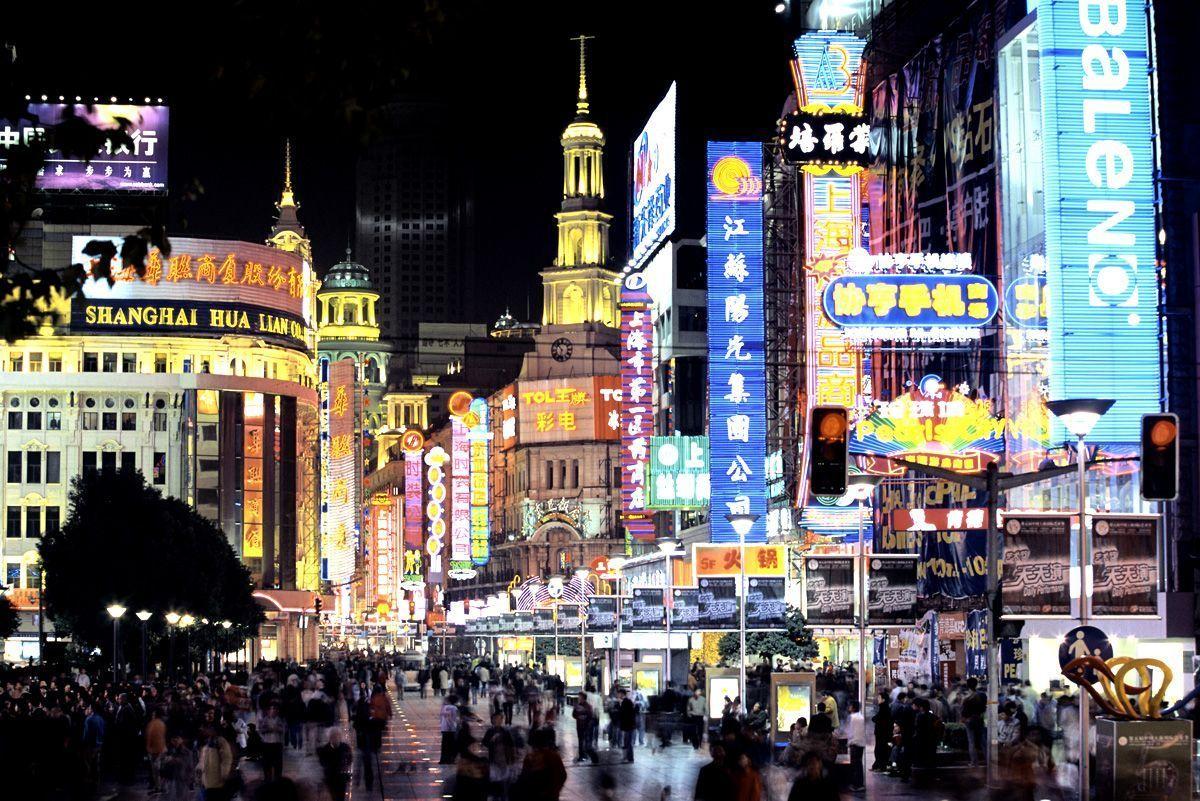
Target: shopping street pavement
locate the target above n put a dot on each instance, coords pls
(410, 757)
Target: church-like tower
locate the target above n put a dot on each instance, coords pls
(580, 288)
(287, 233)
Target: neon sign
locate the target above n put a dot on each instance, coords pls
(1100, 215)
(413, 490)
(910, 305)
(736, 337)
(637, 404)
(460, 501)
(435, 460)
(480, 525)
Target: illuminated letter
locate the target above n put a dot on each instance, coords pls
(1118, 211)
(1106, 78)
(1105, 23)
(1110, 150)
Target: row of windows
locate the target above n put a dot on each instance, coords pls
(12, 575)
(34, 462)
(37, 520)
(109, 362)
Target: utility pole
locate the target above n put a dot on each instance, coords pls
(994, 482)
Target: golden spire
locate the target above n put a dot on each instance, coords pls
(288, 198)
(581, 106)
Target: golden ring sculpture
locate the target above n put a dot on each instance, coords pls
(1112, 693)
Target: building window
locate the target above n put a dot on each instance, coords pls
(91, 421)
(12, 574)
(52, 519)
(574, 472)
(33, 521)
(54, 365)
(14, 467)
(129, 421)
(89, 462)
(53, 421)
(35, 362)
(128, 460)
(14, 421)
(33, 467)
(160, 421)
(91, 362)
(53, 467)
(108, 421)
(14, 362)
(160, 362)
(160, 467)
(108, 461)
(13, 521)
(549, 474)
(109, 363)
(33, 421)
(128, 362)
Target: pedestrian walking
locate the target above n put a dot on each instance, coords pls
(697, 711)
(271, 728)
(627, 722)
(856, 731)
(335, 760)
(448, 726)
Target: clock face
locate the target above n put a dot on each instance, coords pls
(560, 349)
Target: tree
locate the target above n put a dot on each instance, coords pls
(9, 619)
(794, 642)
(124, 542)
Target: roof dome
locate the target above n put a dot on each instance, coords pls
(505, 322)
(347, 275)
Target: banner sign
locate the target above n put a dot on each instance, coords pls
(481, 531)
(1099, 168)
(685, 609)
(543, 621)
(710, 560)
(1012, 656)
(977, 642)
(637, 404)
(654, 188)
(140, 166)
(737, 423)
(1037, 555)
(569, 619)
(646, 609)
(892, 591)
(765, 605)
(187, 318)
(602, 614)
(523, 623)
(952, 564)
(1124, 565)
(718, 602)
(829, 590)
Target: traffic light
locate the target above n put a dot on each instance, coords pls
(317, 604)
(830, 442)
(1160, 457)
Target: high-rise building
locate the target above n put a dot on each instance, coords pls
(415, 221)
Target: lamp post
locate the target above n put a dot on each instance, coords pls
(1079, 417)
(115, 611)
(584, 590)
(226, 625)
(615, 563)
(861, 487)
(143, 616)
(670, 548)
(172, 619)
(186, 622)
(742, 523)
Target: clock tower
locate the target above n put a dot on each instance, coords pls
(580, 287)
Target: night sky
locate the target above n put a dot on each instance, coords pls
(239, 78)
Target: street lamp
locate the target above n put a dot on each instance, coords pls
(143, 616)
(742, 523)
(860, 488)
(1079, 417)
(615, 563)
(185, 622)
(670, 548)
(115, 611)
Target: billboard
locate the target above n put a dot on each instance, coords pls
(1125, 565)
(436, 461)
(460, 500)
(252, 474)
(678, 476)
(637, 403)
(479, 436)
(933, 307)
(1035, 562)
(653, 217)
(1100, 212)
(710, 560)
(205, 287)
(340, 516)
(139, 166)
(566, 409)
(414, 517)
(737, 422)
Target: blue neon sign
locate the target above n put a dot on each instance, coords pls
(919, 301)
(1099, 170)
(737, 421)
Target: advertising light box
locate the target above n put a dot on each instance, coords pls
(567, 409)
(653, 217)
(140, 166)
(1100, 216)
(678, 477)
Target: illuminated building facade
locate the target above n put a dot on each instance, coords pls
(202, 376)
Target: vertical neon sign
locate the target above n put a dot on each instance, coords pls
(736, 337)
(1100, 226)
(481, 533)
(436, 460)
(413, 444)
(637, 404)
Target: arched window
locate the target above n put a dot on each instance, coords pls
(573, 310)
(371, 371)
